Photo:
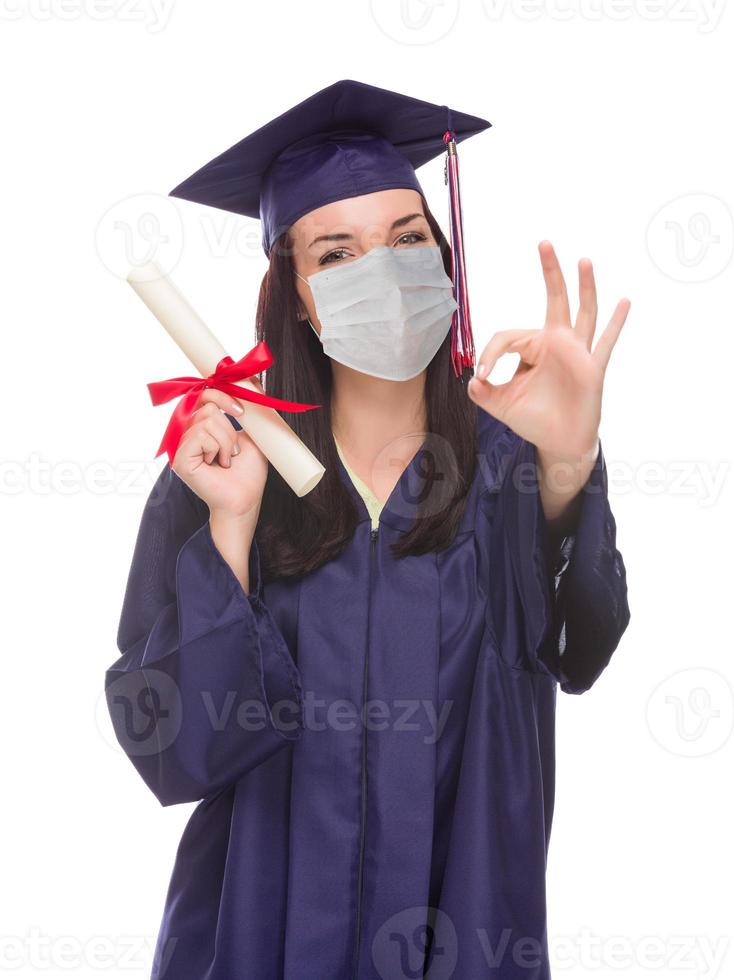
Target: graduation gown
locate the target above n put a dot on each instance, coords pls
(371, 745)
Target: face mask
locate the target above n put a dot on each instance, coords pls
(385, 313)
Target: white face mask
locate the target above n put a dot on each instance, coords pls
(385, 313)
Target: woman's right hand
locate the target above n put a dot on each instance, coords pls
(221, 464)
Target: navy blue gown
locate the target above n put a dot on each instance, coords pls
(372, 744)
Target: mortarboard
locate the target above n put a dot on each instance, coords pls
(346, 140)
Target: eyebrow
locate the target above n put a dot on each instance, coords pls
(344, 237)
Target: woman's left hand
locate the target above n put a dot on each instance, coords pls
(554, 398)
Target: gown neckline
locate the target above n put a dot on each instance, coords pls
(400, 508)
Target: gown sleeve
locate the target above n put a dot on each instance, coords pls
(573, 594)
(205, 688)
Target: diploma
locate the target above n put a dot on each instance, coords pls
(295, 462)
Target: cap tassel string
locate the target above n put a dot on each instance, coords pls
(462, 339)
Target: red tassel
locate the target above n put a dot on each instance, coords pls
(462, 339)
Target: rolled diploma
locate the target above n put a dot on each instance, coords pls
(295, 462)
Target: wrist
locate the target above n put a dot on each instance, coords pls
(224, 516)
(233, 535)
(561, 477)
(240, 525)
(577, 457)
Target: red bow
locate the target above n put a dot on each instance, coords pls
(226, 372)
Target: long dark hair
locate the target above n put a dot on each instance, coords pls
(298, 534)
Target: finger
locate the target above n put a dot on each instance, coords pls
(226, 435)
(489, 396)
(605, 344)
(528, 348)
(557, 313)
(220, 430)
(206, 411)
(209, 411)
(588, 308)
(213, 396)
(198, 442)
(501, 343)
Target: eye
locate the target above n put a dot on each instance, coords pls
(417, 236)
(334, 256)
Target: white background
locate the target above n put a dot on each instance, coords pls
(612, 138)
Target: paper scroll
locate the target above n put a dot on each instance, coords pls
(295, 462)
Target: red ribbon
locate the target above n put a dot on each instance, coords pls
(226, 372)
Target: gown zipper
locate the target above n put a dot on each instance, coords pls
(363, 816)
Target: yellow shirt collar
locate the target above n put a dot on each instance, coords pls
(372, 503)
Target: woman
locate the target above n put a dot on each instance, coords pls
(359, 686)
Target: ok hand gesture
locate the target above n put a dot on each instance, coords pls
(554, 398)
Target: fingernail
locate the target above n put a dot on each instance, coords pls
(235, 450)
(237, 408)
(481, 371)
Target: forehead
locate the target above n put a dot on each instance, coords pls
(365, 215)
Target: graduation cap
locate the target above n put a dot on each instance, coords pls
(346, 140)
